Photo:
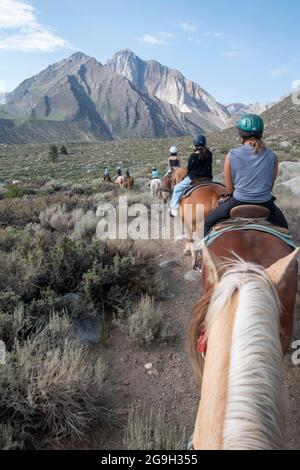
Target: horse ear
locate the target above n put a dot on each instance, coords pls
(278, 270)
(212, 263)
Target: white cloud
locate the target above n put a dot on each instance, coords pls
(279, 72)
(231, 54)
(153, 40)
(16, 14)
(163, 34)
(188, 26)
(195, 40)
(27, 34)
(215, 34)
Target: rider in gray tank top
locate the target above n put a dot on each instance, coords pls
(252, 173)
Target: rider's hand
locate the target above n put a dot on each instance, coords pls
(224, 198)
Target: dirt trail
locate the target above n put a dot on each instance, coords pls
(174, 387)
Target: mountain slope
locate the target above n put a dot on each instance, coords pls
(39, 131)
(282, 123)
(238, 109)
(171, 86)
(91, 100)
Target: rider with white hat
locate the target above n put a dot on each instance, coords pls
(174, 160)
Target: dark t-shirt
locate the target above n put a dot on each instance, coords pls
(198, 168)
(174, 163)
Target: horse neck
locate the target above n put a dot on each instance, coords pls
(178, 175)
(240, 404)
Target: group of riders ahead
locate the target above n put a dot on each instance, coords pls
(107, 176)
(250, 172)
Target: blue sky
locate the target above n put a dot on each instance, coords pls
(238, 53)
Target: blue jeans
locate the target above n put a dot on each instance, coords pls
(178, 191)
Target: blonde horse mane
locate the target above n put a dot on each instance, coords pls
(254, 411)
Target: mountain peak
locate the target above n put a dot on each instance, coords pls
(170, 86)
(79, 57)
(125, 51)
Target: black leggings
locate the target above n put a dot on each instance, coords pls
(223, 212)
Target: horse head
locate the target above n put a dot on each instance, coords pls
(240, 316)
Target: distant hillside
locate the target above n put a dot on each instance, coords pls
(38, 130)
(238, 109)
(281, 121)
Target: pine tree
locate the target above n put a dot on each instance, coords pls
(53, 153)
(64, 150)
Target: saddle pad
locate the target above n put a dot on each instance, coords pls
(191, 189)
(283, 234)
(240, 222)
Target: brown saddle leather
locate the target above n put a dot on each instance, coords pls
(250, 212)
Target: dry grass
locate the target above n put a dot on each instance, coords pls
(50, 388)
(144, 323)
(145, 431)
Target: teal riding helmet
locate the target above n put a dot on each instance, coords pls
(250, 125)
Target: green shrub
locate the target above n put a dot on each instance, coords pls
(11, 239)
(53, 153)
(15, 191)
(63, 150)
(9, 301)
(85, 225)
(40, 267)
(14, 325)
(15, 278)
(7, 438)
(145, 324)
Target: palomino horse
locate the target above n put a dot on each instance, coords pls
(128, 183)
(246, 315)
(119, 181)
(169, 181)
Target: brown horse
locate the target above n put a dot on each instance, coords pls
(128, 183)
(245, 316)
(107, 179)
(205, 197)
(169, 181)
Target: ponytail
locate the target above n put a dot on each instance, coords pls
(203, 153)
(257, 143)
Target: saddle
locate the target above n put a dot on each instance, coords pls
(199, 183)
(247, 215)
